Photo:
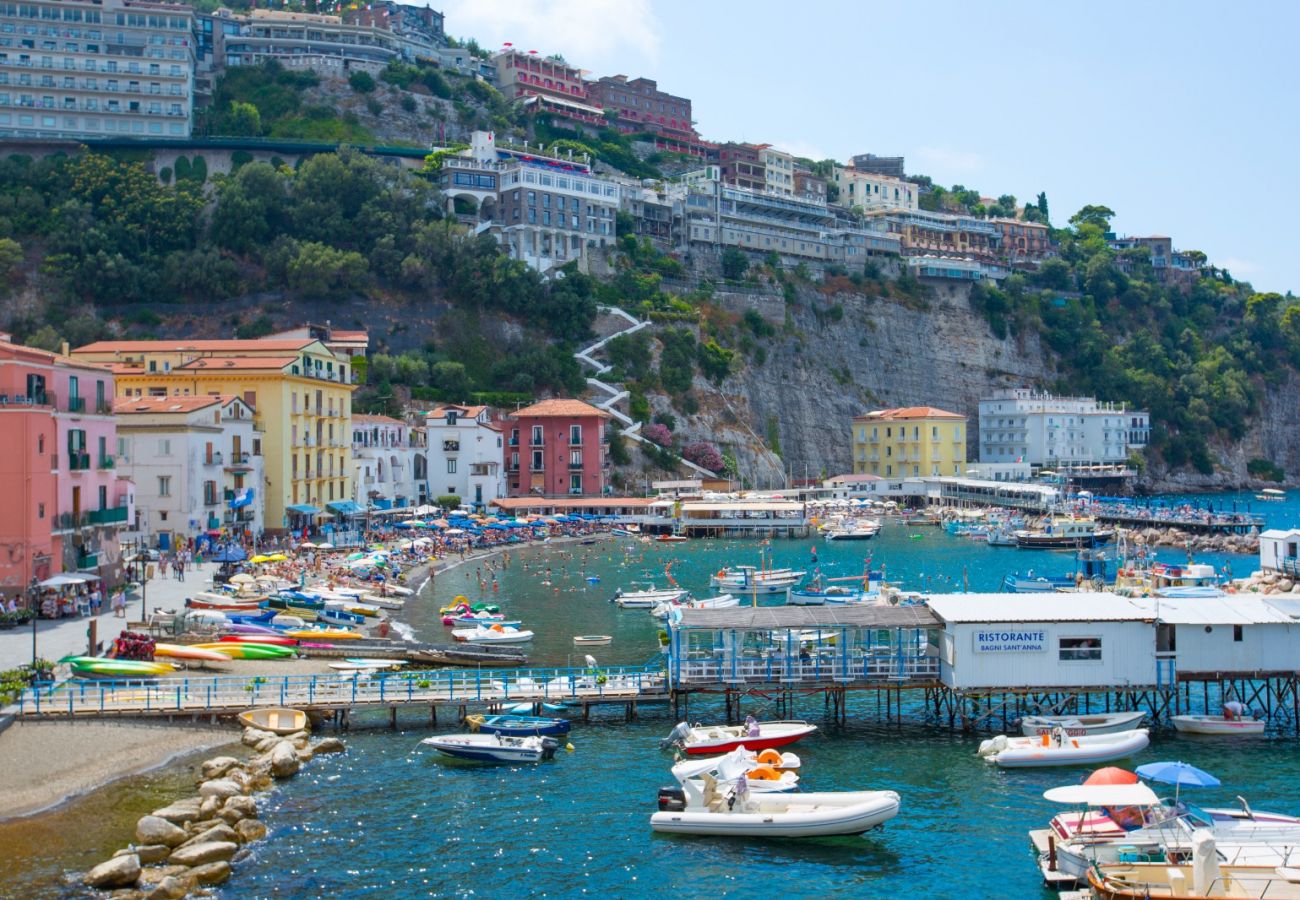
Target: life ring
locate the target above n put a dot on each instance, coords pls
(770, 757)
(764, 773)
(497, 628)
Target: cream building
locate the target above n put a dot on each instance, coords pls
(871, 191)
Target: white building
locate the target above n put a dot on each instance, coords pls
(196, 463)
(389, 464)
(870, 190)
(778, 167)
(96, 68)
(1024, 426)
(1279, 551)
(466, 455)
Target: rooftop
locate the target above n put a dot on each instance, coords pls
(516, 503)
(911, 412)
(561, 408)
(155, 405)
(239, 363)
(747, 618)
(861, 478)
(368, 419)
(1099, 606)
(213, 346)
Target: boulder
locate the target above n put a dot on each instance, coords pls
(247, 806)
(231, 816)
(211, 873)
(218, 766)
(152, 853)
(202, 825)
(299, 740)
(222, 788)
(151, 876)
(284, 761)
(208, 808)
(304, 753)
(172, 887)
(199, 854)
(253, 735)
(157, 829)
(180, 811)
(219, 832)
(267, 743)
(250, 830)
(328, 745)
(120, 871)
(1285, 585)
(127, 894)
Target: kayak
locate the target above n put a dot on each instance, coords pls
(97, 665)
(279, 640)
(184, 651)
(240, 650)
(333, 634)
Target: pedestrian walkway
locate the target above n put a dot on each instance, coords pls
(57, 638)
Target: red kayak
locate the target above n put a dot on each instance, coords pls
(224, 607)
(705, 740)
(277, 639)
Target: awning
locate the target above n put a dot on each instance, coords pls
(345, 508)
(303, 509)
(64, 579)
(1103, 795)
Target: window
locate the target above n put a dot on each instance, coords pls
(575, 435)
(575, 484)
(575, 459)
(451, 467)
(164, 485)
(1237, 633)
(1079, 649)
(537, 435)
(537, 460)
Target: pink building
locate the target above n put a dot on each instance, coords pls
(557, 448)
(68, 503)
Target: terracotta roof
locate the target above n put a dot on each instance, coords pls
(856, 478)
(560, 408)
(368, 419)
(21, 352)
(911, 412)
(127, 405)
(181, 345)
(440, 412)
(514, 503)
(222, 363)
(340, 335)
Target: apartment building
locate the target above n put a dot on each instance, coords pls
(1022, 425)
(871, 190)
(778, 170)
(390, 463)
(466, 454)
(557, 448)
(419, 29)
(300, 394)
(67, 500)
(924, 233)
(96, 69)
(1024, 242)
(324, 44)
(546, 85)
(891, 166)
(639, 106)
(193, 463)
(912, 441)
(810, 187)
(741, 165)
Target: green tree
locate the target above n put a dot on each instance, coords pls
(1096, 216)
(11, 257)
(734, 264)
(361, 81)
(1042, 206)
(243, 120)
(319, 269)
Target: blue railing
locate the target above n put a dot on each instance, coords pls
(199, 694)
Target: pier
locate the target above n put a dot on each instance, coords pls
(1210, 523)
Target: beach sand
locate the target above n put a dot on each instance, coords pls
(44, 764)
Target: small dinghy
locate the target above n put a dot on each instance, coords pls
(702, 740)
(1078, 726)
(275, 719)
(494, 747)
(493, 634)
(725, 806)
(591, 640)
(1059, 749)
(1217, 725)
(517, 725)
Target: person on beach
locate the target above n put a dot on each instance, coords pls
(119, 604)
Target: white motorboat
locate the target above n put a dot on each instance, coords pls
(1077, 726)
(760, 778)
(855, 530)
(1218, 725)
(702, 740)
(649, 598)
(1058, 749)
(486, 747)
(723, 601)
(748, 580)
(492, 634)
(724, 805)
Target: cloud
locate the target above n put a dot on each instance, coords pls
(606, 37)
(948, 160)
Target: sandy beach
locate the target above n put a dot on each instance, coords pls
(44, 764)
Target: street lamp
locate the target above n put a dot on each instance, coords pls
(33, 592)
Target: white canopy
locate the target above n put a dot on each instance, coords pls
(66, 578)
(1103, 795)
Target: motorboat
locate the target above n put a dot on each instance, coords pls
(592, 640)
(1015, 583)
(1271, 495)
(649, 598)
(1058, 749)
(702, 740)
(1077, 726)
(1063, 532)
(492, 634)
(474, 656)
(1218, 725)
(852, 530)
(719, 802)
(1207, 871)
(517, 725)
(723, 601)
(275, 719)
(671, 538)
(759, 777)
(339, 617)
(753, 580)
(494, 747)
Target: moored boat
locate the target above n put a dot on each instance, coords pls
(702, 740)
(275, 719)
(469, 655)
(1063, 532)
(493, 634)
(1218, 725)
(1060, 750)
(648, 598)
(1077, 726)
(752, 580)
(494, 747)
(517, 725)
(592, 640)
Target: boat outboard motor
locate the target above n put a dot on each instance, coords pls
(672, 799)
(549, 746)
(679, 733)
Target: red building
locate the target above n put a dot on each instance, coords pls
(742, 166)
(556, 448)
(546, 85)
(639, 106)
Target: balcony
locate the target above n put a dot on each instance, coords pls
(76, 404)
(78, 461)
(113, 515)
(450, 446)
(213, 459)
(575, 466)
(88, 560)
(238, 460)
(107, 462)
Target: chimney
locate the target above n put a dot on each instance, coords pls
(66, 350)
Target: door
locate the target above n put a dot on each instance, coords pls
(1166, 639)
(76, 503)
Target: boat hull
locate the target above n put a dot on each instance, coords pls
(712, 741)
(1077, 726)
(518, 726)
(1218, 726)
(493, 748)
(1025, 753)
(809, 815)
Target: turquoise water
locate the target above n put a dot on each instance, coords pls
(388, 820)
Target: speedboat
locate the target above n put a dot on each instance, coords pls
(1077, 726)
(648, 599)
(760, 777)
(1271, 495)
(1205, 870)
(860, 530)
(517, 725)
(492, 634)
(1218, 725)
(723, 601)
(1058, 749)
(723, 804)
(494, 747)
(702, 740)
(752, 580)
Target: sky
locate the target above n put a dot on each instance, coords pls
(1181, 117)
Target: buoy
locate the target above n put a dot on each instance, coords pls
(568, 748)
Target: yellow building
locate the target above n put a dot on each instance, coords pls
(301, 394)
(909, 442)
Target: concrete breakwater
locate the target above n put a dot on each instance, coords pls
(191, 843)
(1172, 536)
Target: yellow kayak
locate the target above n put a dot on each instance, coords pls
(182, 651)
(330, 634)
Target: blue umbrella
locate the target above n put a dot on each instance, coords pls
(1177, 774)
(230, 553)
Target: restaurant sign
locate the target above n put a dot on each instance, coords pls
(1010, 639)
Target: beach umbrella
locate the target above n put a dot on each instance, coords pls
(308, 544)
(242, 578)
(230, 553)
(259, 559)
(325, 546)
(276, 557)
(1177, 774)
(1112, 775)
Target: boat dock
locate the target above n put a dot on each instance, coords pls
(338, 696)
(1220, 523)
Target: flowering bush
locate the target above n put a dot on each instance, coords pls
(658, 434)
(705, 455)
